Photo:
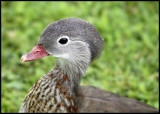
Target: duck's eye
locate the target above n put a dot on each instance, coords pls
(63, 40)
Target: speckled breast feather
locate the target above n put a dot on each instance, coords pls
(49, 94)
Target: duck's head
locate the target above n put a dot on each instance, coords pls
(71, 40)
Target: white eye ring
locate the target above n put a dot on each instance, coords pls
(63, 40)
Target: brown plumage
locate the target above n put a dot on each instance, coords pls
(49, 94)
(75, 43)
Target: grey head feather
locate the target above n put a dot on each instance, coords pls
(78, 30)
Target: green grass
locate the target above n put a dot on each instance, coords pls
(129, 64)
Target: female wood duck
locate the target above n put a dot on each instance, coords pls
(75, 43)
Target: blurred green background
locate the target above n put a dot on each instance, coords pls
(129, 64)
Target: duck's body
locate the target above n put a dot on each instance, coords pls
(49, 94)
(76, 43)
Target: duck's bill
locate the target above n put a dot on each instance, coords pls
(36, 53)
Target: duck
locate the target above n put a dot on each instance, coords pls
(75, 43)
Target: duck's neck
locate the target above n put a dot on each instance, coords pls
(73, 70)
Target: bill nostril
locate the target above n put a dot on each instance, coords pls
(36, 51)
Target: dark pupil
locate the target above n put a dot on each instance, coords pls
(63, 40)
